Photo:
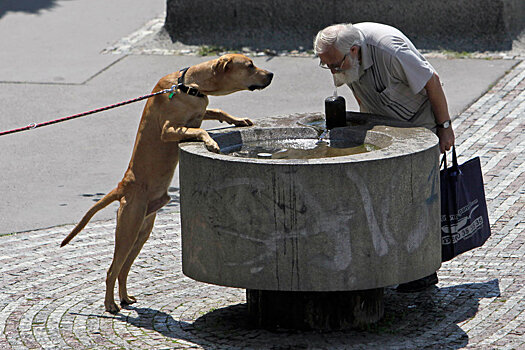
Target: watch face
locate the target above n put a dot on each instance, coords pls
(445, 124)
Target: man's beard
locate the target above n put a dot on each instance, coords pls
(350, 75)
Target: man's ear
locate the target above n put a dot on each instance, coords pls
(222, 65)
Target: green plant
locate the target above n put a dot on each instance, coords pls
(456, 54)
(206, 50)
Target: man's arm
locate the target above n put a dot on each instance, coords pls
(438, 101)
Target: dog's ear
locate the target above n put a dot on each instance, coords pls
(221, 65)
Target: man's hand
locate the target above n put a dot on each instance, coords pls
(446, 138)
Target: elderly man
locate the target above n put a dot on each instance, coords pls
(388, 76)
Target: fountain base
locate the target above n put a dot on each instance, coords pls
(324, 311)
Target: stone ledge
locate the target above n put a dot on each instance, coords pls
(280, 25)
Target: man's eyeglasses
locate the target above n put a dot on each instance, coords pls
(335, 67)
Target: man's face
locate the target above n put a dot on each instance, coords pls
(345, 68)
(333, 59)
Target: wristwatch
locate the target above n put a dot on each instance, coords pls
(446, 124)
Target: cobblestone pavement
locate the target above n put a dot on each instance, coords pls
(53, 298)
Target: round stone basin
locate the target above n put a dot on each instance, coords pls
(341, 223)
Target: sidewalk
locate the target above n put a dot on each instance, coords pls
(53, 298)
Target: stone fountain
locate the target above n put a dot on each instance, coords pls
(313, 241)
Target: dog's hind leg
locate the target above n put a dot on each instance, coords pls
(143, 236)
(130, 219)
(144, 233)
(158, 203)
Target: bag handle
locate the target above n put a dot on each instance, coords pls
(444, 161)
(455, 165)
(454, 158)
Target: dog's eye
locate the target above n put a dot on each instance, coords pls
(250, 65)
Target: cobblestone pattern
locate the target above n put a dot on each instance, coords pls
(52, 297)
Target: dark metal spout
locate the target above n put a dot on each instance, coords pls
(335, 111)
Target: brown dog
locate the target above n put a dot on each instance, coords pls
(166, 120)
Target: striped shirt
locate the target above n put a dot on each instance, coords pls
(393, 75)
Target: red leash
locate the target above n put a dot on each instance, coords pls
(38, 125)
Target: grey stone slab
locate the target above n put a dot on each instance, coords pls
(258, 24)
(454, 25)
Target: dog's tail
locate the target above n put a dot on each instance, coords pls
(101, 204)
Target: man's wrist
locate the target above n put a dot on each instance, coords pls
(445, 125)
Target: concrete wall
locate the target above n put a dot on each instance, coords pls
(289, 24)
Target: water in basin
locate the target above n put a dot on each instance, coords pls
(297, 149)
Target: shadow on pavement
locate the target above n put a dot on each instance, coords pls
(423, 320)
(28, 6)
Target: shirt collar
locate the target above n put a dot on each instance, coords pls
(366, 60)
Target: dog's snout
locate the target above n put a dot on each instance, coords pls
(264, 78)
(269, 77)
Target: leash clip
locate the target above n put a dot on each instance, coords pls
(32, 126)
(173, 89)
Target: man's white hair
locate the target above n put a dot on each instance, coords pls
(340, 36)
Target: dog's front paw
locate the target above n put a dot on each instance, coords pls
(242, 122)
(212, 146)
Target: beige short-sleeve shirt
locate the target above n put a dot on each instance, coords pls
(393, 75)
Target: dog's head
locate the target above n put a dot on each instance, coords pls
(235, 72)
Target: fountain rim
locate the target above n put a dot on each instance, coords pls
(405, 142)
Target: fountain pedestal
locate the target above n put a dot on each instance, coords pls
(322, 311)
(309, 235)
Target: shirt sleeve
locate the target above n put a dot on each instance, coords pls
(411, 68)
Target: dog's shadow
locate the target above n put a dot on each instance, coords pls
(433, 315)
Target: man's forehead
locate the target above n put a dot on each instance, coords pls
(330, 53)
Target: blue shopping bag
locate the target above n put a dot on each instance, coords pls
(464, 217)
